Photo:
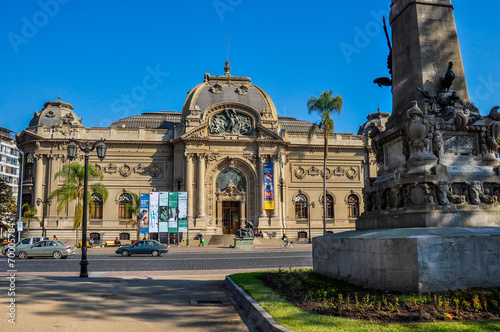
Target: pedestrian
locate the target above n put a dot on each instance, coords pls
(91, 241)
(55, 238)
(117, 242)
(144, 238)
(200, 237)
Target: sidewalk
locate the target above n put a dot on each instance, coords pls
(119, 304)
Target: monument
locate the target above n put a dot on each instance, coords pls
(432, 213)
(244, 237)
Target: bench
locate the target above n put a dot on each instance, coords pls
(109, 243)
(80, 244)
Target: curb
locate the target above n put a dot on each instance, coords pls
(256, 313)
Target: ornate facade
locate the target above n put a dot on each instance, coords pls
(215, 149)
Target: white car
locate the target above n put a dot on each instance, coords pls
(26, 242)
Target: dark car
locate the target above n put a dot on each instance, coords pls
(153, 248)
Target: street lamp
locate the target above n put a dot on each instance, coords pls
(48, 202)
(309, 217)
(101, 148)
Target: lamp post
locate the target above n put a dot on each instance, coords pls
(309, 217)
(48, 202)
(101, 153)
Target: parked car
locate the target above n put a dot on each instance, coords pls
(45, 248)
(26, 242)
(154, 248)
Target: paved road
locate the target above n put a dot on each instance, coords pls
(176, 261)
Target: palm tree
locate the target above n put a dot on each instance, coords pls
(325, 106)
(134, 208)
(29, 213)
(72, 189)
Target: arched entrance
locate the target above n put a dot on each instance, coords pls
(230, 200)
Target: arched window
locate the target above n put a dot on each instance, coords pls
(300, 207)
(330, 212)
(96, 213)
(122, 212)
(231, 174)
(353, 206)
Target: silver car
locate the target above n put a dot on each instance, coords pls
(26, 242)
(46, 248)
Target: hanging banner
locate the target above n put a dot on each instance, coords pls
(163, 207)
(144, 214)
(172, 211)
(268, 186)
(153, 211)
(182, 208)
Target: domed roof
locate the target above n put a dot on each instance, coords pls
(227, 88)
(377, 119)
(56, 113)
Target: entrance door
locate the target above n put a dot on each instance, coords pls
(230, 217)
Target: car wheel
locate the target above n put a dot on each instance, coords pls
(23, 255)
(155, 253)
(125, 253)
(57, 254)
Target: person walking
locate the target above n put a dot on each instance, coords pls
(200, 237)
(55, 238)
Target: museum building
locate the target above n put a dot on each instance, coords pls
(215, 149)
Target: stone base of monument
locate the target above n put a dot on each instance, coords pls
(243, 243)
(412, 259)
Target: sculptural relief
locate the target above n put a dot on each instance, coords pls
(231, 122)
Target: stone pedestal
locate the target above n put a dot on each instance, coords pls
(243, 243)
(412, 259)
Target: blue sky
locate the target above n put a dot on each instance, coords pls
(100, 55)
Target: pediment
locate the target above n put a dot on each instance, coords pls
(268, 135)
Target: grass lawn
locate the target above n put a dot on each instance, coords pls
(294, 318)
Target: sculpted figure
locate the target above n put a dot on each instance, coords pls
(474, 189)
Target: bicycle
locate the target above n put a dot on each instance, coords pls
(288, 244)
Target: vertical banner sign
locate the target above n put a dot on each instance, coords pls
(172, 214)
(144, 214)
(153, 211)
(183, 211)
(268, 186)
(163, 212)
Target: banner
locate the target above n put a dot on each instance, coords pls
(144, 214)
(163, 207)
(172, 211)
(268, 186)
(153, 211)
(182, 208)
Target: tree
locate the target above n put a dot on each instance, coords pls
(325, 106)
(134, 209)
(7, 206)
(29, 213)
(72, 189)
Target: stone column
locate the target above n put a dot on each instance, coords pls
(189, 186)
(201, 185)
(219, 213)
(243, 212)
(39, 176)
